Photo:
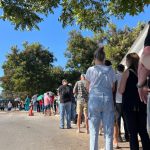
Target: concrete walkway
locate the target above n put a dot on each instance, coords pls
(18, 131)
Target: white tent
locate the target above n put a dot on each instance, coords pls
(138, 45)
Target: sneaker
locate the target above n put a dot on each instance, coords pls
(126, 139)
(68, 127)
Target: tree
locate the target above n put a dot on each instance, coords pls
(79, 51)
(90, 14)
(118, 41)
(28, 70)
(58, 74)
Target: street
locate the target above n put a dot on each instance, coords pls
(18, 131)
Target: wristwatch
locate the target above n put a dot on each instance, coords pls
(139, 86)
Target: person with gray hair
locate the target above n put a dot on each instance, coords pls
(82, 101)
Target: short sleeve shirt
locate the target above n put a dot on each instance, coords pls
(80, 89)
(100, 77)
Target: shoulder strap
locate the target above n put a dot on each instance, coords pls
(84, 88)
(133, 72)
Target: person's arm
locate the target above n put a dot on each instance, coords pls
(87, 78)
(144, 72)
(75, 88)
(142, 76)
(114, 81)
(87, 85)
(123, 82)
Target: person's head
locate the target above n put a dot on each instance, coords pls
(82, 77)
(132, 60)
(99, 55)
(120, 68)
(64, 82)
(108, 62)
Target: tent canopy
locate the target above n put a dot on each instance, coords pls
(138, 45)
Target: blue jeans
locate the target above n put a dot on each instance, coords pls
(65, 110)
(101, 108)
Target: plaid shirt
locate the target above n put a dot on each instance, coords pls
(80, 90)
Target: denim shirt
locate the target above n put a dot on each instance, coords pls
(101, 80)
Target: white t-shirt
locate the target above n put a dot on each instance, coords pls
(118, 95)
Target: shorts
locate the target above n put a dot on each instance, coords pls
(51, 106)
(82, 107)
(47, 107)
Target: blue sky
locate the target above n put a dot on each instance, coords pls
(52, 35)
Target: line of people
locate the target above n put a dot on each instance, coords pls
(104, 96)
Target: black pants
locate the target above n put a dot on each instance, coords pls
(119, 114)
(55, 108)
(136, 122)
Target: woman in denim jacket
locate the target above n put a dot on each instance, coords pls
(100, 83)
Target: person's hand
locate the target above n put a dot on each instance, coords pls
(143, 92)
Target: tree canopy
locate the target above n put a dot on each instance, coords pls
(90, 14)
(28, 70)
(117, 42)
(80, 51)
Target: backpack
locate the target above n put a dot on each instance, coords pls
(65, 92)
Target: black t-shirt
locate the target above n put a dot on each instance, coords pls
(65, 93)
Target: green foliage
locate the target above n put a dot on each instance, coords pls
(90, 14)
(28, 70)
(116, 41)
(58, 74)
(26, 14)
(79, 51)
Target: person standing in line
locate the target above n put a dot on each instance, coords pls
(51, 104)
(65, 94)
(9, 106)
(118, 104)
(73, 105)
(100, 85)
(55, 105)
(116, 128)
(134, 109)
(46, 104)
(27, 102)
(143, 75)
(82, 101)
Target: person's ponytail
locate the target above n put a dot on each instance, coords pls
(99, 54)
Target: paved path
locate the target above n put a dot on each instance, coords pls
(18, 131)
